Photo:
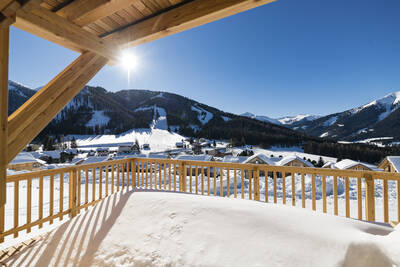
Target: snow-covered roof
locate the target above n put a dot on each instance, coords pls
(233, 159)
(91, 160)
(55, 154)
(286, 160)
(348, 163)
(261, 157)
(195, 157)
(395, 160)
(25, 157)
(329, 164)
(158, 156)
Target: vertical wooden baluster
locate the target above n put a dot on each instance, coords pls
(112, 178)
(147, 173)
(303, 191)
(324, 193)
(335, 196)
(118, 180)
(369, 197)
(202, 180)
(79, 190)
(29, 203)
(215, 180)
(141, 173)
(123, 175)
(151, 174)
(61, 202)
(196, 178)
(242, 182)
(174, 177)
(385, 201)
(266, 174)
(86, 187)
(165, 175)
(51, 211)
(107, 166)
(250, 183)
(314, 206)
(170, 177)
(398, 200)
(221, 182)
(93, 184)
(234, 183)
(159, 176)
(208, 179)
(359, 198)
(283, 187)
(347, 196)
(275, 177)
(16, 206)
(190, 178)
(293, 189)
(227, 182)
(101, 182)
(257, 185)
(41, 199)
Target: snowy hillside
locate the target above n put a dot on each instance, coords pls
(293, 119)
(261, 118)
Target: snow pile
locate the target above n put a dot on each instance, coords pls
(169, 229)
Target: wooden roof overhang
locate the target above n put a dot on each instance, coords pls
(98, 29)
(106, 26)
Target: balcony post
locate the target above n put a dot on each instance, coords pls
(369, 197)
(4, 50)
(256, 176)
(73, 192)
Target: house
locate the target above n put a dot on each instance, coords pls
(102, 151)
(218, 152)
(233, 159)
(294, 161)
(348, 164)
(329, 165)
(179, 144)
(53, 156)
(124, 149)
(390, 164)
(259, 159)
(25, 161)
(146, 146)
(197, 158)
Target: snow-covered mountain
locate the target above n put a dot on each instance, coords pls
(261, 118)
(288, 120)
(377, 119)
(96, 111)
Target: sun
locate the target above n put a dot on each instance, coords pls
(129, 61)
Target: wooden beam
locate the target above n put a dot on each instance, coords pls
(54, 28)
(52, 99)
(82, 8)
(184, 17)
(4, 50)
(9, 11)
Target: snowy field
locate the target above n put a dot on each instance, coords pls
(138, 228)
(9, 210)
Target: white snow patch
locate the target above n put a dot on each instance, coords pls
(98, 118)
(330, 121)
(324, 134)
(226, 118)
(204, 116)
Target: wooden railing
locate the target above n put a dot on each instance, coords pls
(51, 195)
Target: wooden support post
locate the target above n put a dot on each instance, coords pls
(26, 122)
(4, 45)
(369, 198)
(73, 197)
(183, 177)
(256, 184)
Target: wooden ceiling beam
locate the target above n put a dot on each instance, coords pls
(181, 18)
(40, 109)
(9, 11)
(50, 26)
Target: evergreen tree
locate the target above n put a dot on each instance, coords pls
(73, 143)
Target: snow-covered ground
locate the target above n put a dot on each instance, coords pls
(138, 228)
(158, 139)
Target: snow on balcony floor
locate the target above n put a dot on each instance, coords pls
(148, 228)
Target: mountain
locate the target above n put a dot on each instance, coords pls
(261, 118)
(289, 120)
(96, 111)
(379, 119)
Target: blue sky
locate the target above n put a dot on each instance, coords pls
(285, 58)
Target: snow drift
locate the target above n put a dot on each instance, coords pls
(139, 228)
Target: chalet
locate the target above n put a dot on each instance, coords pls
(197, 158)
(25, 161)
(390, 164)
(218, 152)
(53, 156)
(259, 159)
(294, 161)
(124, 149)
(102, 151)
(233, 159)
(348, 164)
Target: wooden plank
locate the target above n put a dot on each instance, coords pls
(196, 179)
(208, 181)
(107, 166)
(29, 202)
(369, 198)
(159, 176)
(314, 206)
(275, 177)
(4, 50)
(118, 177)
(234, 183)
(221, 182)
(16, 206)
(78, 184)
(215, 181)
(184, 17)
(385, 201)
(228, 193)
(61, 202)
(283, 187)
(293, 189)
(335, 196)
(359, 198)
(83, 8)
(398, 200)
(266, 185)
(250, 184)
(256, 185)
(48, 25)
(28, 120)
(324, 194)
(202, 180)
(101, 182)
(87, 186)
(51, 211)
(303, 191)
(347, 196)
